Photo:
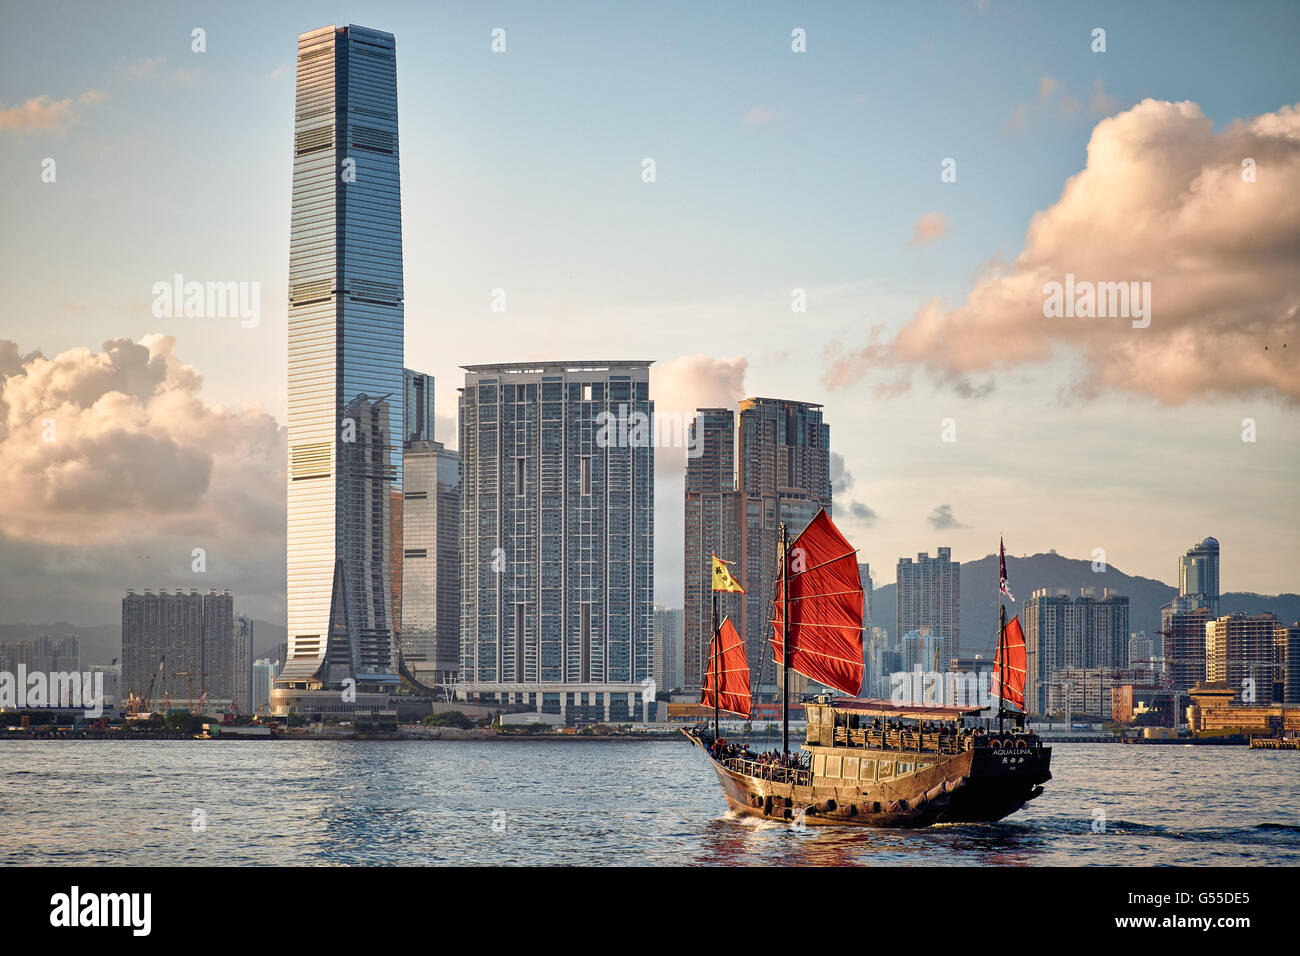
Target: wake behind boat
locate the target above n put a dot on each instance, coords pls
(864, 761)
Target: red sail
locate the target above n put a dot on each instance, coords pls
(1014, 643)
(825, 608)
(727, 660)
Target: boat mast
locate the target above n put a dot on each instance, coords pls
(717, 669)
(1002, 660)
(785, 643)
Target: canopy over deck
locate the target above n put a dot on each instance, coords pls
(879, 707)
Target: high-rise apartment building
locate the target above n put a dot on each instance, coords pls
(1141, 650)
(1064, 634)
(181, 644)
(345, 418)
(783, 475)
(712, 527)
(42, 654)
(557, 535)
(263, 680)
(1198, 576)
(928, 595)
(1182, 631)
(241, 665)
(668, 648)
(1286, 654)
(1239, 652)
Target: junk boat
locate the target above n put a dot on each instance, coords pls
(865, 761)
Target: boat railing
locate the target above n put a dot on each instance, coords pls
(905, 740)
(769, 771)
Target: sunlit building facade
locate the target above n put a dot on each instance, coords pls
(345, 365)
(557, 540)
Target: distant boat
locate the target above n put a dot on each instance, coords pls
(864, 761)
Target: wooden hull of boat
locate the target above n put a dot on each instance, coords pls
(980, 785)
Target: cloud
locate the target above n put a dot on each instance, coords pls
(1101, 103)
(862, 514)
(95, 446)
(1162, 200)
(43, 113)
(38, 113)
(931, 226)
(841, 477)
(941, 519)
(760, 117)
(681, 385)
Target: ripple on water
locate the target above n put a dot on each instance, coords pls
(420, 803)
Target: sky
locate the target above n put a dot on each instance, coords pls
(958, 410)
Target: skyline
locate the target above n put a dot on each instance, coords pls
(643, 273)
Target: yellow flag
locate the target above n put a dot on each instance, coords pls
(722, 579)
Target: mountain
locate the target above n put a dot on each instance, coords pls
(100, 643)
(979, 596)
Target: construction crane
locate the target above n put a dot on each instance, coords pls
(190, 674)
(203, 699)
(149, 696)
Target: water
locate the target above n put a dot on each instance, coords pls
(562, 802)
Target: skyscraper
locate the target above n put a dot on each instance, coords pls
(783, 474)
(557, 539)
(242, 663)
(345, 365)
(1239, 651)
(668, 648)
(712, 527)
(1198, 576)
(417, 406)
(1074, 635)
(929, 595)
(1182, 632)
(431, 561)
(180, 643)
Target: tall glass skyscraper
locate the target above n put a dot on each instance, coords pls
(345, 362)
(1198, 576)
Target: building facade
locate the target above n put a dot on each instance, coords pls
(557, 540)
(1286, 654)
(782, 475)
(1182, 632)
(1239, 652)
(179, 644)
(431, 531)
(1064, 634)
(668, 649)
(1198, 576)
(712, 526)
(345, 367)
(241, 666)
(928, 595)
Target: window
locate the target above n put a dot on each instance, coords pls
(868, 770)
(819, 765)
(586, 475)
(519, 476)
(833, 766)
(586, 393)
(850, 768)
